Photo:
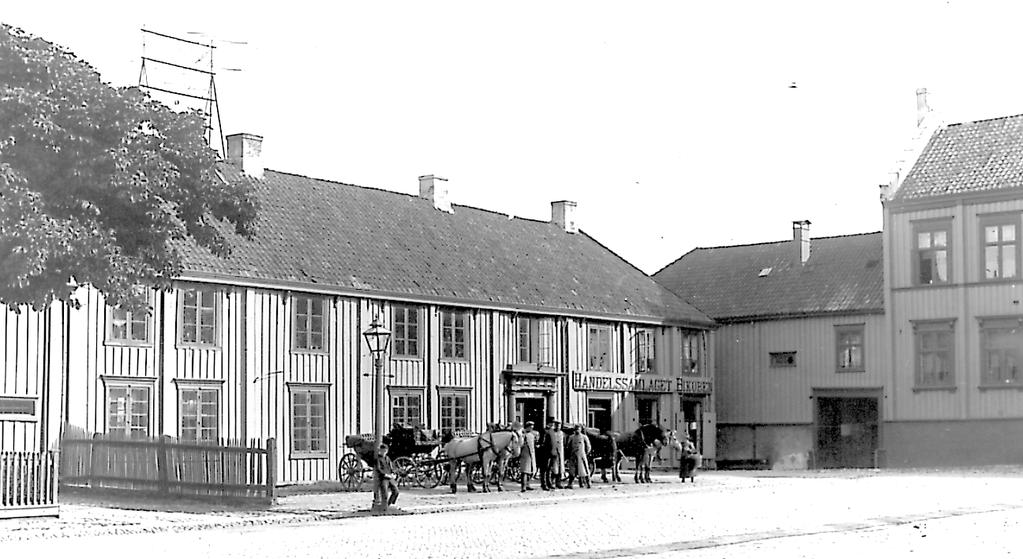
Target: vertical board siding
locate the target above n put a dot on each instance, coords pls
(24, 358)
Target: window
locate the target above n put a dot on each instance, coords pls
(691, 344)
(406, 409)
(783, 359)
(128, 410)
(405, 338)
(535, 340)
(309, 421)
(849, 348)
(932, 255)
(598, 348)
(1001, 245)
(1001, 343)
(648, 410)
(199, 316)
(454, 412)
(453, 334)
(934, 354)
(127, 327)
(309, 327)
(199, 414)
(643, 350)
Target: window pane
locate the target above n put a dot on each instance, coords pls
(941, 265)
(1009, 261)
(1008, 233)
(940, 238)
(923, 240)
(991, 270)
(991, 234)
(206, 335)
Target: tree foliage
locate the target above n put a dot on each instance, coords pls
(100, 185)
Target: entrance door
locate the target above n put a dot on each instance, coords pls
(648, 410)
(530, 409)
(692, 422)
(846, 432)
(598, 414)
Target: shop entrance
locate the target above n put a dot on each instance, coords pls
(598, 413)
(531, 409)
(692, 423)
(846, 432)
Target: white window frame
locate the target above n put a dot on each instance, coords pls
(130, 324)
(11, 408)
(404, 394)
(447, 420)
(692, 353)
(644, 350)
(204, 295)
(596, 336)
(929, 229)
(846, 349)
(303, 304)
(129, 429)
(308, 391)
(401, 338)
(534, 340)
(1012, 350)
(200, 389)
(450, 328)
(922, 332)
(1000, 244)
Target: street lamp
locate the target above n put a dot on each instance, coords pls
(378, 339)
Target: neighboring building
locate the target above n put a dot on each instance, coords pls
(954, 292)
(801, 360)
(493, 319)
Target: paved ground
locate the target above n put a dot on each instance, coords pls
(763, 514)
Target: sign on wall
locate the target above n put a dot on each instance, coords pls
(690, 385)
(621, 383)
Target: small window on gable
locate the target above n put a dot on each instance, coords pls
(783, 359)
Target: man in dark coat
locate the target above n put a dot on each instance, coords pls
(556, 448)
(543, 456)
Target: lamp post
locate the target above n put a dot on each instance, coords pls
(378, 339)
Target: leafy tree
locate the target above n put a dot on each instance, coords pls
(100, 185)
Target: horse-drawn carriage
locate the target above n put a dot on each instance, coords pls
(414, 454)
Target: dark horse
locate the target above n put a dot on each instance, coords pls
(642, 444)
(604, 451)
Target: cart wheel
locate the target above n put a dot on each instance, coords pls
(432, 474)
(405, 472)
(349, 471)
(511, 471)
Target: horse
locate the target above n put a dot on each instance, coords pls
(643, 444)
(605, 452)
(483, 448)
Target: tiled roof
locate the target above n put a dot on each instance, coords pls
(381, 243)
(970, 157)
(746, 282)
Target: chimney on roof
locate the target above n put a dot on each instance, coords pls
(246, 151)
(563, 215)
(435, 189)
(922, 107)
(801, 239)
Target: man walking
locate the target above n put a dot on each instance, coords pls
(527, 456)
(579, 450)
(557, 454)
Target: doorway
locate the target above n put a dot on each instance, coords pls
(598, 413)
(847, 432)
(648, 410)
(692, 422)
(531, 409)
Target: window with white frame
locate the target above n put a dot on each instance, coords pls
(309, 325)
(643, 350)
(128, 412)
(309, 420)
(1001, 248)
(198, 316)
(1001, 349)
(453, 334)
(598, 347)
(127, 327)
(933, 258)
(692, 353)
(454, 411)
(935, 353)
(535, 336)
(406, 408)
(849, 348)
(198, 414)
(405, 338)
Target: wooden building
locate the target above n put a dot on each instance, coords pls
(801, 360)
(493, 319)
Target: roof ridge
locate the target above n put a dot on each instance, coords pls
(782, 241)
(979, 121)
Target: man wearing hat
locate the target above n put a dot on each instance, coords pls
(543, 455)
(556, 447)
(527, 456)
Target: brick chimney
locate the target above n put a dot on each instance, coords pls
(801, 239)
(563, 215)
(246, 151)
(435, 189)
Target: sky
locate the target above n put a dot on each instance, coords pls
(673, 125)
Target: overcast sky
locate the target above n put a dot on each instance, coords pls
(672, 124)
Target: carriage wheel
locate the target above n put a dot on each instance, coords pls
(511, 471)
(476, 471)
(432, 474)
(405, 472)
(349, 471)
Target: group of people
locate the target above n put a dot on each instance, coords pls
(543, 454)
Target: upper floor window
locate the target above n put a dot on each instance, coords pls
(935, 351)
(309, 326)
(453, 333)
(932, 254)
(405, 338)
(643, 350)
(127, 327)
(1001, 245)
(1001, 350)
(691, 352)
(198, 316)
(849, 348)
(535, 338)
(598, 348)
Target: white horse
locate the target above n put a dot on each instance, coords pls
(483, 449)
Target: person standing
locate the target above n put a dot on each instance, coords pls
(543, 455)
(527, 456)
(579, 450)
(383, 474)
(557, 454)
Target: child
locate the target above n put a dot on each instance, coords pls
(384, 473)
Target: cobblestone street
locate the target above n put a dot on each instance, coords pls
(723, 515)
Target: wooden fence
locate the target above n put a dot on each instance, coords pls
(28, 484)
(168, 467)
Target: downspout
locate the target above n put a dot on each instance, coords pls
(160, 363)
